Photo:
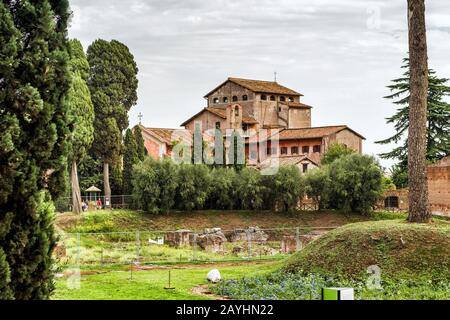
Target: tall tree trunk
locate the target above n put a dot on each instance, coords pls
(417, 139)
(106, 185)
(76, 194)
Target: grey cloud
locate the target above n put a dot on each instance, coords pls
(340, 54)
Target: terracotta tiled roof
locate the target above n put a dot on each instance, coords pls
(167, 135)
(218, 111)
(310, 133)
(298, 105)
(259, 86)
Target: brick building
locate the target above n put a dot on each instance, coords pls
(250, 106)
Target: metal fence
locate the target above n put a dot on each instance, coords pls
(116, 202)
(182, 246)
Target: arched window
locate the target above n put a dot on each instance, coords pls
(244, 97)
(236, 111)
(263, 97)
(291, 99)
(272, 98)
(282, 98)
(216, 100)
(235, 98)
(225, 99)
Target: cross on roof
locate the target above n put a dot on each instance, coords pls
(140, 117)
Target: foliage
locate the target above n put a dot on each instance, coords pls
(334, 152)
(356, 183)
(34, 142)
(438, 124)
(317, 183)
(90, 172)
(399, 175)
(193, 186)
(285, 189)
(141, 150)
(113, 84)
(116, 180)
(5, 278)
(307, 286)
(130, 158)
(81, 109)
(388, 184)
(222, 189)
(154, 185)
(248, 189)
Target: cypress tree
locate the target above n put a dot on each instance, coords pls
(130, 158)
(34, 141)
(141, 150)
(81, 114)
(113, 84)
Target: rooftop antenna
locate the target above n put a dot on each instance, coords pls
(275, 76)
(140, 117)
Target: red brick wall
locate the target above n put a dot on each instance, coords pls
(152, 148)
(439, 188)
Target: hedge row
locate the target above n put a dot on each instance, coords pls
(352, 182)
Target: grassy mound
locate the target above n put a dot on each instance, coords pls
(399, 248)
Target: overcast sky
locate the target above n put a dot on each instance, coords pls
(339, 54)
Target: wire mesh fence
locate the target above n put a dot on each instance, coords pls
(182, 246)
(96, 202)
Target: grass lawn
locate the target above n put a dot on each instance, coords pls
(149, 284)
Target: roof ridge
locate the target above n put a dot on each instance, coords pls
(246, 79)
(320, 127)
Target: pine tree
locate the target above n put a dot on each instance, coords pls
(130, 158)
(34, 80)
(113, 84)
(81, 114)
(438, 124)
(141, 150)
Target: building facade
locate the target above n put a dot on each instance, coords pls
(253, 106)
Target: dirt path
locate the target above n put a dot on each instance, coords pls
(203, 290)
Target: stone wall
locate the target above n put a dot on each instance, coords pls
(348, 138)
(208, 121)
(299, 118)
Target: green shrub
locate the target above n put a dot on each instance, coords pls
(146, 187)
(193, 186)
(284, 189)
(248, 190)
(221, 195)
(356, 183)
(154, 185)
(307, 286)
(334, 152)
(317, 183)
